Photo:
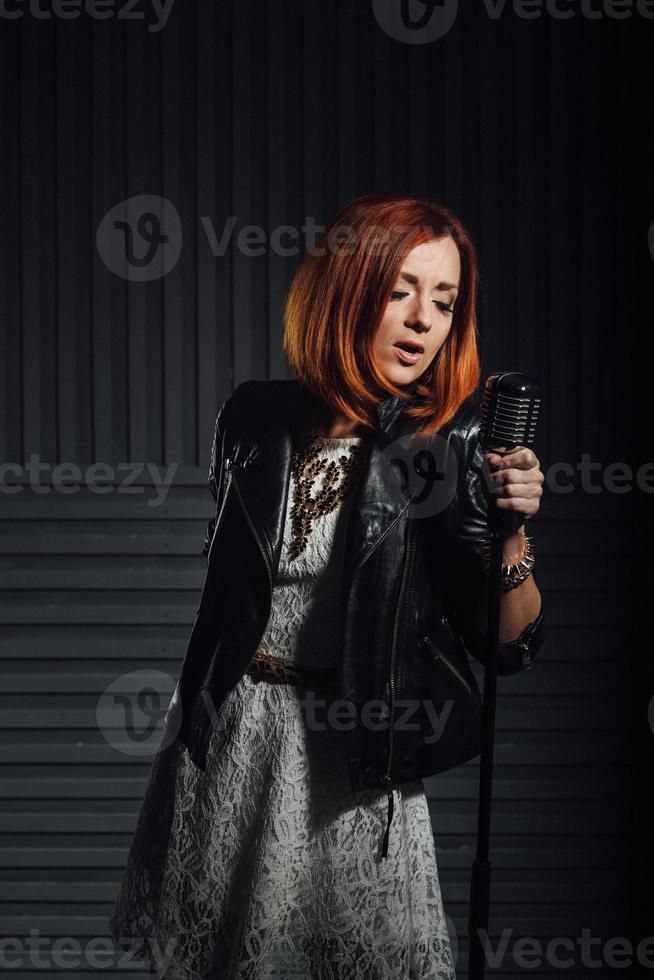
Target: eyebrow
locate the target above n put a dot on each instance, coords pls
(409, 277)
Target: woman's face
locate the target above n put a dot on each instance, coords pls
(419, 312)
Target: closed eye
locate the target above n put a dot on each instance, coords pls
(443, 307)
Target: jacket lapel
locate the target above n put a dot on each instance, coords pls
(261, 461)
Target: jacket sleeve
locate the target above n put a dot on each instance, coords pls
(465, 569)
(174, 712)
(216, 471)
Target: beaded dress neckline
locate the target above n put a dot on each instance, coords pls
(331, 463)
(338, 438)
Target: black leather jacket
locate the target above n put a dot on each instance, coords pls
(409, 587)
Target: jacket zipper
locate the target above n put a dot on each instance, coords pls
(524, 640)
(379, 540)
(386, 780)
(262, 547)
(228, 480)
(439, 655)
(227, 464)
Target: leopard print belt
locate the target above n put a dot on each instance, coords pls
(266, 666)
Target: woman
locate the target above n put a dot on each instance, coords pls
(327, 671)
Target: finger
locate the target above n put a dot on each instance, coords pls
(521, 505)
(521, 458)
(512, 490)
(494, 457)
(501, 477)
(511, 454)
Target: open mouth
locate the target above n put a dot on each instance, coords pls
(409, 351)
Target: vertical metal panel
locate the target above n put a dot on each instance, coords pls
(137, 148)
(35, 239)
(590, 255)
(11, 343)
(526, 170)
(72, 233)
(178, 177)
(215, 169)
(387, 121)
(493, 264)
(108, 361)
(561, 250)
(245, 118)
(288, 172)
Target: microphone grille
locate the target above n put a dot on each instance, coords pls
(509, 410)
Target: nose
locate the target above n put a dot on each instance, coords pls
(421, 313)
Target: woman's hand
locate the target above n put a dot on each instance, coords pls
(516, 482)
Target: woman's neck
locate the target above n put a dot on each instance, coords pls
(340, 431)
(338, 426)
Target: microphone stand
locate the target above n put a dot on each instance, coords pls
(499, 525)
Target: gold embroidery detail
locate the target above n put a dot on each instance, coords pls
(307, 465)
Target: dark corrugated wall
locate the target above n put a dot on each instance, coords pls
(277, 114)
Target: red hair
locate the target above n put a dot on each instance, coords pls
(338, 297)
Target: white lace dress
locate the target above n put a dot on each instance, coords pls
(267, 864)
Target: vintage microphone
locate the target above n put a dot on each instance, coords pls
(508, 416)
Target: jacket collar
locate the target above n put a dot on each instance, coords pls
(302, 400)
(262, 460)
